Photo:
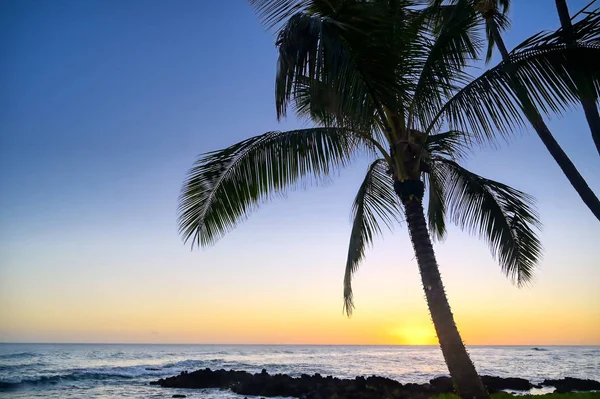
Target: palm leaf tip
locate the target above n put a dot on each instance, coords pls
(375, 204)
(348, 297)
(501, 215)
(273, 12)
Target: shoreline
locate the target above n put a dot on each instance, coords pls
(316, 386)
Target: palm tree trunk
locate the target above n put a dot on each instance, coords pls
(588, 100)
(536, 120)
(464, 376)
(593, 117)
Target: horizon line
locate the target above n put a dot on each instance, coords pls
(276, 344)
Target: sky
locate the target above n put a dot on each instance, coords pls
(104, 106)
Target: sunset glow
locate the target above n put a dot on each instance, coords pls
(416, 335)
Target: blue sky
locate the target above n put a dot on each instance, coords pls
(104, 107)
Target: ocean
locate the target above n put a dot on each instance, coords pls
(124, 371)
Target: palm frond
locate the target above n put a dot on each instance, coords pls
(317, 102)
(322, 104)
(342, 53)
(313, 56)
(375, 204)
(585, 34)
(436, 207)
(499, 214)
(453, 144)
(490, 104)
(586, 30)
(502, 24)
(542, 68)
(273, 12)
(224, 187)
(455, 41)
(500, 12)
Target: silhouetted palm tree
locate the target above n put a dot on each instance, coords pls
(379, 78)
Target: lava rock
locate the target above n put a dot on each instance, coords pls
(569, 384)
(316, 386)
(497, 384)
(264, 384)
(442, 384)
(493, 384)
(204, 379)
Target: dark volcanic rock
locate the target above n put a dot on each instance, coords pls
(493, 384)
(264, 384)
(442, 384)
(573, 384)
(316, 386)
(204, 379)
(306, 387)
(496, 384)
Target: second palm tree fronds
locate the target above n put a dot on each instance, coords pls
(567, 66)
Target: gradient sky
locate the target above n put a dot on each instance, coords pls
(104, 105)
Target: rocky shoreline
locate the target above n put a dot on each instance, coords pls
(319, 387)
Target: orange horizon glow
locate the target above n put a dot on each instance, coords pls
(275, 325)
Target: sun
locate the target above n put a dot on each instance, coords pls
(415, 335)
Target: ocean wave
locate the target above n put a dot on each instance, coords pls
(110, 373)
(19, 355)
(193, 363)
(56, 379)
(17, 366)
(85, 375)
(215, 364)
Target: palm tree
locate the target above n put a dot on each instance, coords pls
(382, 94)
(589, 98)
(495, 21)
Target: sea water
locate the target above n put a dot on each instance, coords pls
(124, 371)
